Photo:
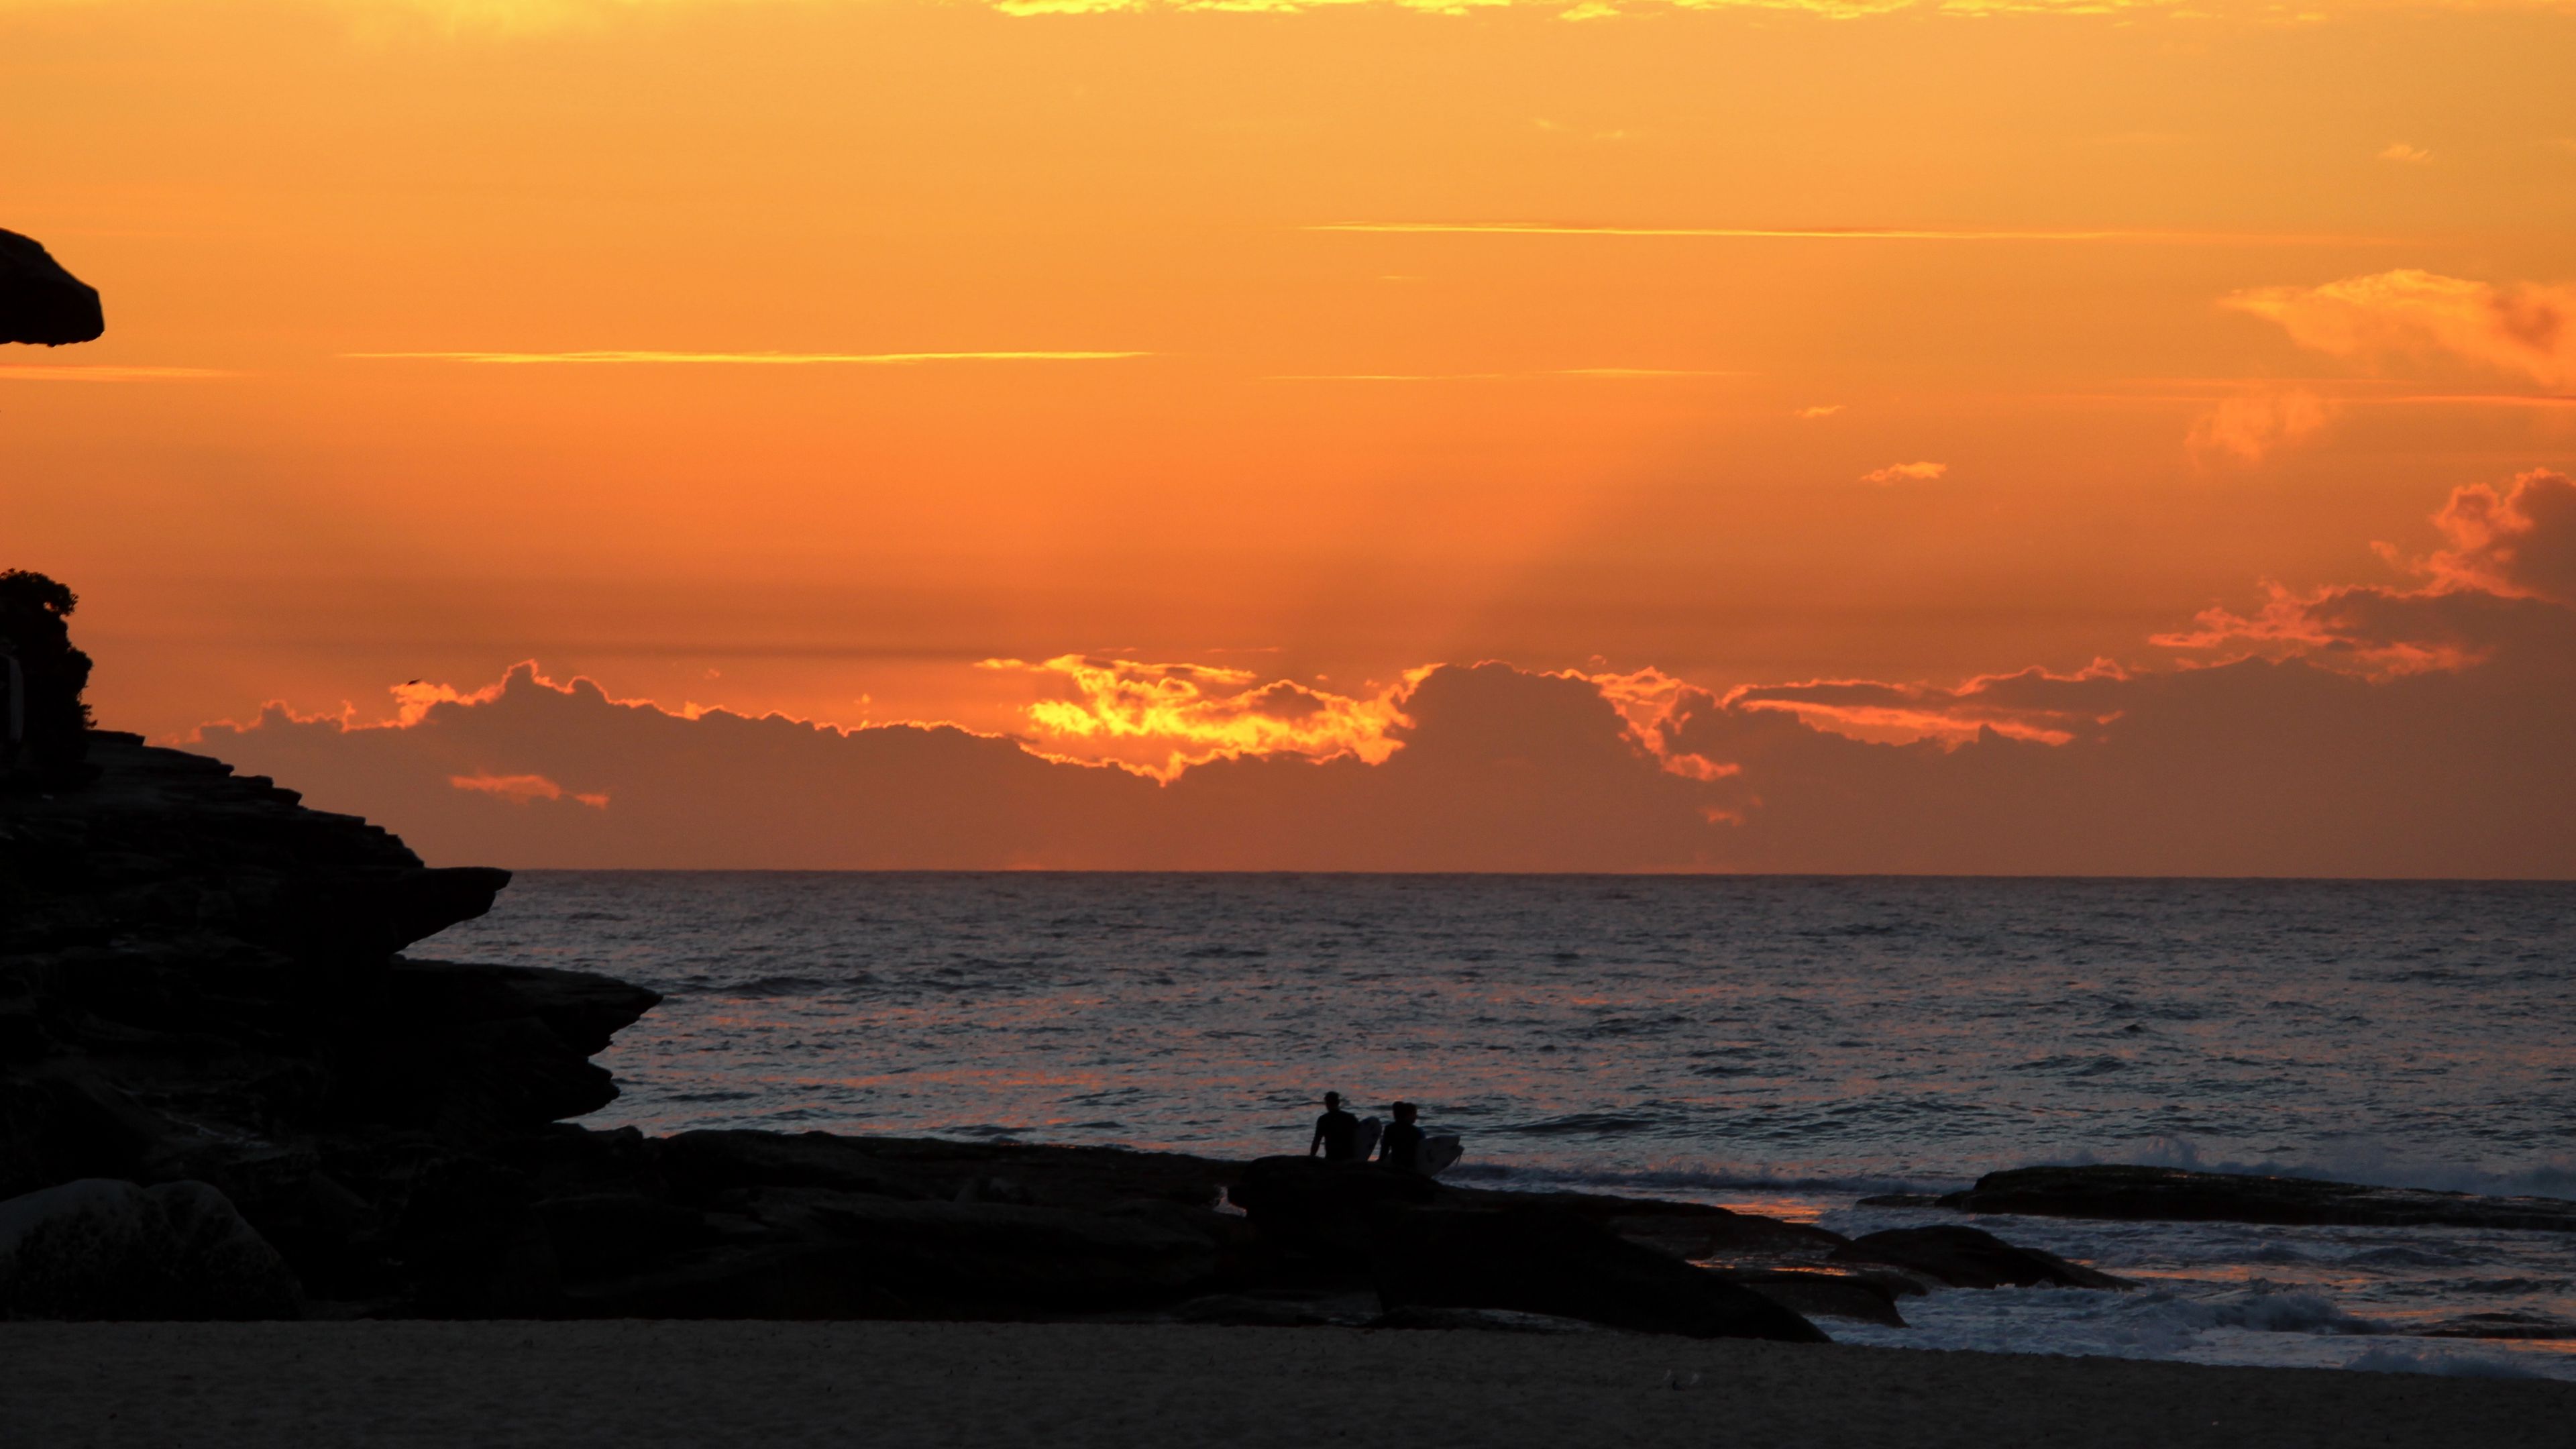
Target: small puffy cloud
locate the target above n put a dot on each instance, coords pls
(2404, 154)
(2528, 328)
(1821, 410)
(2253, 425)
(1905, 473)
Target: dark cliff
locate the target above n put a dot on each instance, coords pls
(199, 980)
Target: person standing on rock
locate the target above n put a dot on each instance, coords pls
(1401, 1147)
(1337, 1133)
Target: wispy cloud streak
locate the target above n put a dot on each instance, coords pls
(83, 372)
(1849, 233)
(740, 359)
(1612, 373)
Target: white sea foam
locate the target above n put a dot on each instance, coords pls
(2389, 1359)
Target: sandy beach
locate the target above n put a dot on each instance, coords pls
(652, 1383)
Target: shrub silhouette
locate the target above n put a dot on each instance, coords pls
(34, 611)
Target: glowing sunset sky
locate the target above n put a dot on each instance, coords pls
(1789, 366)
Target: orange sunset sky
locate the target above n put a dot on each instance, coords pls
(2102, 437)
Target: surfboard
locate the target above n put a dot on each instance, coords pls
(1365, 1140)
(1439, 1154)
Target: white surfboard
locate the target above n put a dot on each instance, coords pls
(1439, 1154)
(1364, 1141)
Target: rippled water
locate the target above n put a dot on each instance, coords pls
(1790, 1042)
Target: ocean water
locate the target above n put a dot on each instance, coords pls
(1787, 1045)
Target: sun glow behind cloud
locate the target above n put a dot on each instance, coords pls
(520, 789)
(1160, 719)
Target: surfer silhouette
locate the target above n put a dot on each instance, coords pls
(1337, 1133)
(1401, 1146)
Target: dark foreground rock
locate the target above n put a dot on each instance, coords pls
(1965, 1257)
(101, 1249)
(1422, 1246)
(1863, 1296)
(199, 982)
(848, 1255)
(1550, 1261)
(2164, 1194)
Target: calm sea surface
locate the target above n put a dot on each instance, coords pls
(1789, 1044)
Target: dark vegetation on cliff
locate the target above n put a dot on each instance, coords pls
(44, 725)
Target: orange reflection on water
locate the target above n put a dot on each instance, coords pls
(1786, 1209)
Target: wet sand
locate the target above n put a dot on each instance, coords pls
(648, 1383)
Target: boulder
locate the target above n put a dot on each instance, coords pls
(995, 1259)
(1081, 1178)
(776, 1280)
(1965, 1257)
(104, 1249)
(1684, 1229)
(60, 1121)
(582, 1009)
(1243, 1256)
(563, 1159)
(1549, 1261)
(363, 912)
(1868, 1298)
(1698, 1233)
(703, 1164)
(1478, 1320)
(457, 1235)
(1240, 1310)
(1324, 1209)
(40, 302)
(597, 1234)
(2166, 1194)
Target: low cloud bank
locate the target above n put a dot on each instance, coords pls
(2421, 730)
